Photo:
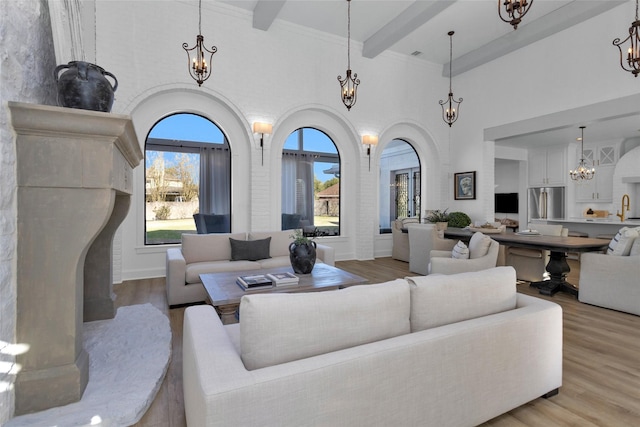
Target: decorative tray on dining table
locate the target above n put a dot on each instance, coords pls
(486, 230)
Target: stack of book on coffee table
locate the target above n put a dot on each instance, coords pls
(253, 282)
(283, 279)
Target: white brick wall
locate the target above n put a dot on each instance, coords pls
(26, 70)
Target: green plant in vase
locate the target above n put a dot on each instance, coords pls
(459, 220)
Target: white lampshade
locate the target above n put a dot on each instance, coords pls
(259, 127)
(370, 139)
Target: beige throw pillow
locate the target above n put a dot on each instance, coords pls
(479, 245)
(279, 328)
(208, 247)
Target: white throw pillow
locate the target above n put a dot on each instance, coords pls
(479, 245)
(279, 328)
(441, 299)
(460, 251)
(621, 243)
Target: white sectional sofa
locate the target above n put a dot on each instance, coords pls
(435, 350)
(211, 253)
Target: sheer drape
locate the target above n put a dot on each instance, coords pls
(215, 185)
(297, 185)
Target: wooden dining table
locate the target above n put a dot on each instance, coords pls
(558, 246)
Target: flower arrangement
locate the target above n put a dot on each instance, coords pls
(438, 216)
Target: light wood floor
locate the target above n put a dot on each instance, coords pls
(601, 379)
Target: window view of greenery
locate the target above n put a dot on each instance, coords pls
(311, 183)
(187, 165)
(399, 183)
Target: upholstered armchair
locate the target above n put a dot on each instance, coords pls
(530, 264)
(400, 249)
(423, 238)
(211, 223)
(483, 254)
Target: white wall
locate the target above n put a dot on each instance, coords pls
(287, 76)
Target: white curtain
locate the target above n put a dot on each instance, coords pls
(288, 184)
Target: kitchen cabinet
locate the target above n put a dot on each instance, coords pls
(547, 167)
(603, 157)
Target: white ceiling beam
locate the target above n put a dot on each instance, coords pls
(560, 19)
(266, 12)
(412, 18)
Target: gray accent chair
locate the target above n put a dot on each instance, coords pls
(400, 249)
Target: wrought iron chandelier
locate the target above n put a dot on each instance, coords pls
(198, 68)
(514, 10)
(449, 114)
(349, 85)
(582, 172)
(633, 53)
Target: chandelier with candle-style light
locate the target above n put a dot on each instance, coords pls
(449, 113)
(633, 53)
(349, 85)
(199, 70)
(514, 10)
(582, 172)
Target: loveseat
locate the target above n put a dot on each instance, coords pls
(439, 350)
(212, 253)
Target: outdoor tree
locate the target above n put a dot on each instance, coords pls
(156, 182)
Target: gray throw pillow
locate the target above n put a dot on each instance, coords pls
(250, 250)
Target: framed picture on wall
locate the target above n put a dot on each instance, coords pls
(464, 185)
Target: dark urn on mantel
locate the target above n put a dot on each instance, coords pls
(84, 85)
(302, 256)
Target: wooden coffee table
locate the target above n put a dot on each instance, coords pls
(224, 294)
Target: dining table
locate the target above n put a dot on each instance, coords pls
(558, 246)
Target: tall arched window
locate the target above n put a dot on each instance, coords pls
(187, 179)
(399, 183)
(311, 183)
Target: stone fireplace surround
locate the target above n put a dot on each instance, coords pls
(74, 176)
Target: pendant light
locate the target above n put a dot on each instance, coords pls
(514, 10)
(633, 53)
(582, 172)
(199, 70)
(449, 114)
(349, 85)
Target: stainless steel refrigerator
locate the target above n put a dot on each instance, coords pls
(546, 203)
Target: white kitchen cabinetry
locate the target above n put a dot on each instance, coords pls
(547, 167)
(603, 157)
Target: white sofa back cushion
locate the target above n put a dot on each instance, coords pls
(279, 328)
(208, 247)
(438, 299)
(280, 241)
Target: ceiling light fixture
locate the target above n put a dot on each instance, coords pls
(633, 53)
(198, 68)
(582, 172)
(449, 114)
(515, 10)
(349, 85)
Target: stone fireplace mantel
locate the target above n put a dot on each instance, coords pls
(74, 178)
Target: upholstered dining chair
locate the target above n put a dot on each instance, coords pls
(530, 264)
(400, 248)
(483, 254)
(423, 238)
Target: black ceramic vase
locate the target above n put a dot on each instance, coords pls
(302, 256)
(85, 86)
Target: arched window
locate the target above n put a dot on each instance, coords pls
(399, 183)
(311, 183)
(187, 172)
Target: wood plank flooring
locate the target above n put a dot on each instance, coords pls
(601, 379)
